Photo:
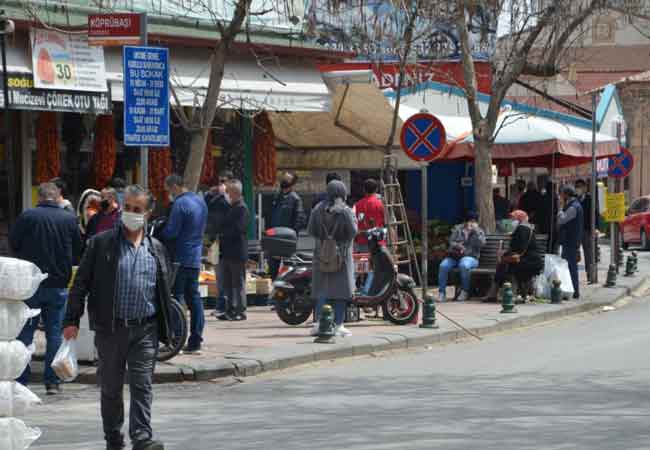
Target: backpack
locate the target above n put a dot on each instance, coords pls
(330, 258)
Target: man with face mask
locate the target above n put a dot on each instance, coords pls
(286, 211)
(107, 217)
(234, 253)
(183, 235)
(570, 221)
(124, 279)
(588, 241)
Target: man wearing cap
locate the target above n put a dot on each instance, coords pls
(570, 221)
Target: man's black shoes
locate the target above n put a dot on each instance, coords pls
(149, 445)
(52, 389)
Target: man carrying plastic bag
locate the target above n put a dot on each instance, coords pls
(125, 275)
(47, 236)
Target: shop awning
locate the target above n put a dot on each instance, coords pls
(249, 83)
(363, 127)
(531, 141)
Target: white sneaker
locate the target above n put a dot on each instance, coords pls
(442, 298)
(314, 329)
(342, 331)
(463, 296)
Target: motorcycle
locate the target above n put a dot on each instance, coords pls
(393, 291)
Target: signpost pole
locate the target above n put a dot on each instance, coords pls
(144, 151)
(594, 192)
(425, 232)
(7, 27)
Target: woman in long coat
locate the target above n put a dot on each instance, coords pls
(338, 219)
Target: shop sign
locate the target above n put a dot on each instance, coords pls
(146, 96)
(23, 95)
(67, 62)
(115, 29)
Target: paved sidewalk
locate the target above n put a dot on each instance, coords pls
(265, 343)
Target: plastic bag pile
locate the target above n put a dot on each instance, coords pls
(19, 280)
(555, 268)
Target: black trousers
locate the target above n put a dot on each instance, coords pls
(234, 285)
(135, 347)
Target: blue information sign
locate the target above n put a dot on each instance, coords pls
(146, 96)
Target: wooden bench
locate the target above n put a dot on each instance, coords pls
(483, 275)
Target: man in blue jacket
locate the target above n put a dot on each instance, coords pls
(49, 237)
(183, 234)
(570, 221)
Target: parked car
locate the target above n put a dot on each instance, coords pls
(636, 226)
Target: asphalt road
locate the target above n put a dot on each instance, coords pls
(581, 383)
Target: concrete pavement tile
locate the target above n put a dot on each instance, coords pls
(246, 367)
(167, 373)
(208, 370)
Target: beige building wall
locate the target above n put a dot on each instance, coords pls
(635, 97)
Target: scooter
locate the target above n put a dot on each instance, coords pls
(394, 292)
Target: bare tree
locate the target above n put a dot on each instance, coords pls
(537, 35)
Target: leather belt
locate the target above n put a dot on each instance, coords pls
(130, 323)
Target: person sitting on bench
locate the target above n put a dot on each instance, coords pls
(524, 260)
(464, 251)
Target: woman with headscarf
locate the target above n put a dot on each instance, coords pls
(523, 261)
(333, 218)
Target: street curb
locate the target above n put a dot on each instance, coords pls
(274, 359)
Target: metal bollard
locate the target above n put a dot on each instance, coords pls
(620, 259)
(429, 313)
(635, 261)
(629, 266)
(326, 330)
(611, 276)
(507, 300)
(556, 292)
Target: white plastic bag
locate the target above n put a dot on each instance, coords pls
(15, 399)
(13, 316)
(556, 267)
(14, 357)
(15, 435)
(65, 362)
(19, 279)
(542, 287)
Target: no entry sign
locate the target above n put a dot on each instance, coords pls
(621, 165)
(423, 137)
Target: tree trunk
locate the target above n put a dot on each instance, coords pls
(483, 185)
(192, 175)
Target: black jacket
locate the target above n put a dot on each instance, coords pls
(233, 244)
(286, 211)
(585, 202)
(48, 236)
(97, 279)
(217, 209)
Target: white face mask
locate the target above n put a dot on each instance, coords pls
(133, 221)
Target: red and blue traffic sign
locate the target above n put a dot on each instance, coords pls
(423, 137)
(621, 165)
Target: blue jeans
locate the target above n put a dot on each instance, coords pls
(186, 288)
(339, 310)
(466, 264)
(51, 301)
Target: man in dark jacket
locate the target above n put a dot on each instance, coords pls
(234, 253)
(47, 236)
(125, 276)
(570, 222)
(183, 234)
(531, 203)
(588, 240)
(217, 203)
(286, 211)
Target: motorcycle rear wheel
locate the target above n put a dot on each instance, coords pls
(395, 313)
(292, 311)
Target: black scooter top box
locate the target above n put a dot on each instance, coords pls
(280, 242)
